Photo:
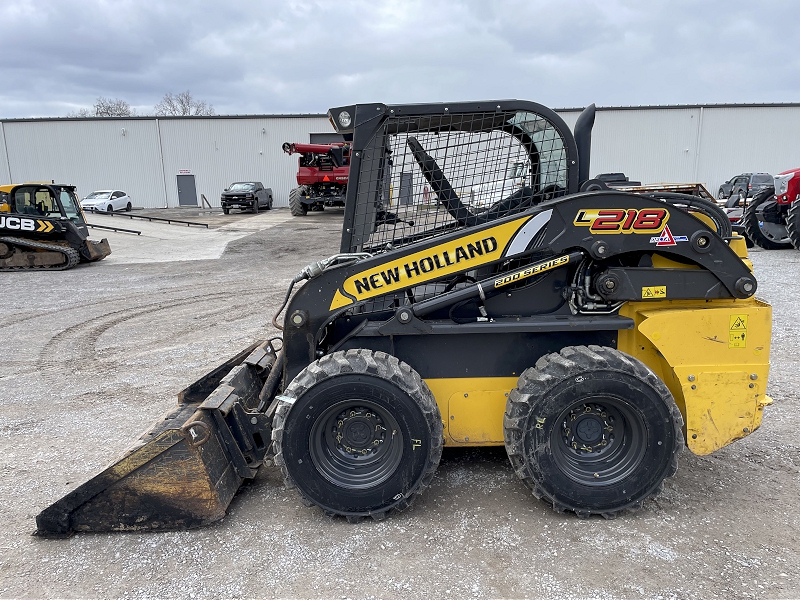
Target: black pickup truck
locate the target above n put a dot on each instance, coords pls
(246, 195)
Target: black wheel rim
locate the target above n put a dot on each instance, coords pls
(356, 444)
(599, 441)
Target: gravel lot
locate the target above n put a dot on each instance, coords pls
(93, 356)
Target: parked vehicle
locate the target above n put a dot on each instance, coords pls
(772, 218)
(246, 195)
(107, 201)
(322, 174)
(744, 186)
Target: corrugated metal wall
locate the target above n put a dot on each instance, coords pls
(739, 140)
(94, 155)
(694, 144)
(142, 156)
(5, 176)
(221, 151)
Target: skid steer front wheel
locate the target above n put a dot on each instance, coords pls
(359, 433)
(592, 430)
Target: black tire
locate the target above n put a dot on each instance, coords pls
(226, 211)
(295, 205)
(109, 208)
(254, 208)
(269, 204)
(770, 237)
(793, 224)
(362, 436)
(128, 207)
(721, 194)
(592, 430)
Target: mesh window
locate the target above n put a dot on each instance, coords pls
(425, 176)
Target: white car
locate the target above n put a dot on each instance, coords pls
(106, 201)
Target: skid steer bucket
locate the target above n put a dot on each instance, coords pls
(184, 471)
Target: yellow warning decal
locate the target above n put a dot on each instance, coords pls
(654, 292)
(460, 254)
(737, 334)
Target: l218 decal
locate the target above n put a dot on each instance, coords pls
(623, 220)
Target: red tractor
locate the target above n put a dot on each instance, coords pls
(321, 177)
(772, 218)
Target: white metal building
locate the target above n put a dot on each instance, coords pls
(145, 155)
(704, 143)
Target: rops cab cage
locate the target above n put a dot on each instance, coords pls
(499, 159)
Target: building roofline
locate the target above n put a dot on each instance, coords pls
(323, 116)
(685, 106)
(166, 118)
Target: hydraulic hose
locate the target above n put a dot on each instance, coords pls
(314, 269)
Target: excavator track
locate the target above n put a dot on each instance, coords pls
(12, 249)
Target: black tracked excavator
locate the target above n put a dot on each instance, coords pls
(593, 333)
(42, 227)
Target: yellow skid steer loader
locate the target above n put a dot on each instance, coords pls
(593, 333)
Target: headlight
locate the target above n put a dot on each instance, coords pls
(782, 183)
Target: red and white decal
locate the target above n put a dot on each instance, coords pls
(667, 239)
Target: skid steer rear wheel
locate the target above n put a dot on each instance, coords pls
(361, 436)
(592, 430)
(297, 208)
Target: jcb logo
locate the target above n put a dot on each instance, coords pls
(622, 220)
(17, 223)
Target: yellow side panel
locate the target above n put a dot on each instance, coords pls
(714, 358)
(472, 408)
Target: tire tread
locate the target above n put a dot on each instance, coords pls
(537, 381)
(387, 367)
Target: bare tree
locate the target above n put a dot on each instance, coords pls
(182, 104)
(106, 107)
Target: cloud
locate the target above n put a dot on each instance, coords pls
(274, 56)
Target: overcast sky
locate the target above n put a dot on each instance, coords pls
(298, 56)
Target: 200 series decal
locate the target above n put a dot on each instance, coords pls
(623, 220)
(463, 253)
(532, 270)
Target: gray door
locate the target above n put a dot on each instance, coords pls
(187, 192)
(406, 189)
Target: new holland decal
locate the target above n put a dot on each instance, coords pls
(464, 253)
(622, 220)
